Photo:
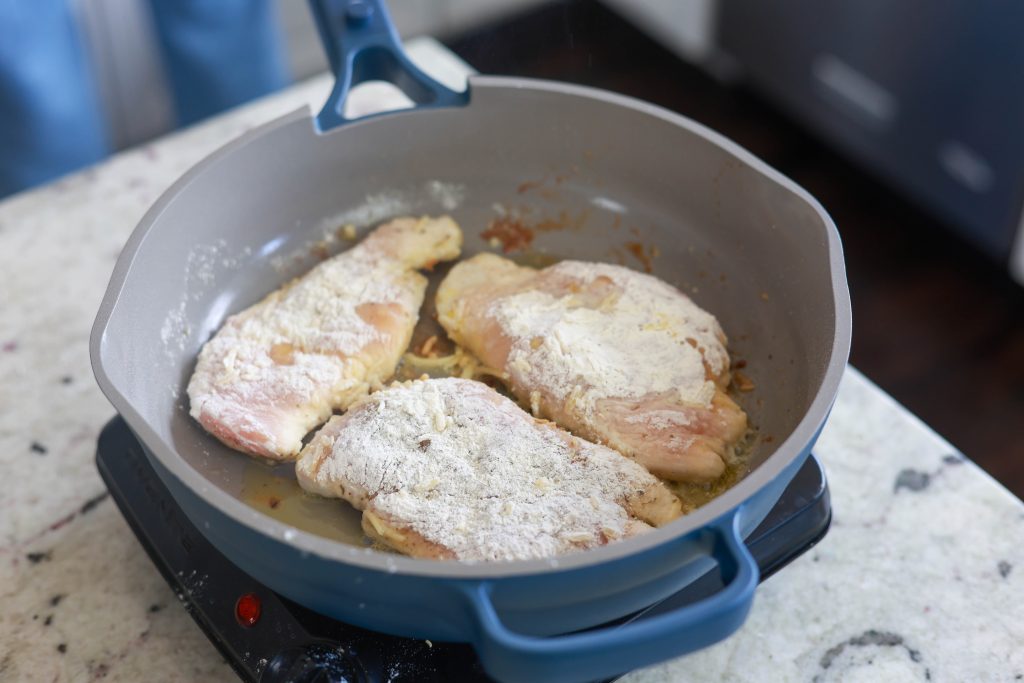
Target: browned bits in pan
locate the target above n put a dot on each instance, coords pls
(742, 382)
(644, 256)
(509, 233)
(528, 185)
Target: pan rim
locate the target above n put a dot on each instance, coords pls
(729, 502)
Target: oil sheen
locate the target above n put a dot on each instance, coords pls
(274, 491)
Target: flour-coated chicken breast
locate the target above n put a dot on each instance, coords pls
(613, 355)
(451, 469)
(279, 368)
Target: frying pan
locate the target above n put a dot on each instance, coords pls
(747, 243)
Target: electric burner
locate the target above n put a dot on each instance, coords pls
(268, 638)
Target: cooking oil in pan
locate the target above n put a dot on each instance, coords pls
(274, 491)
(696, 495)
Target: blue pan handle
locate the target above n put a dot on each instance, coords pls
(362, 45)
(599, 653)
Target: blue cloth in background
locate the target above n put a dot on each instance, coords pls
(217, 54)
(50, 118)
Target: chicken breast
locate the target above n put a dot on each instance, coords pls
(613, 355)
(451, 469)
(276, 370)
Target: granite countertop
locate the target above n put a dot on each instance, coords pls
(920, 578)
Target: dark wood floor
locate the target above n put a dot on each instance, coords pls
(936, 324)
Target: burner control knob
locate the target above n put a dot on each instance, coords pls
(317, 663)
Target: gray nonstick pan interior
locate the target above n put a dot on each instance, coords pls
(612, 173)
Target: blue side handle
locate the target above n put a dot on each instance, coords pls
(600, 653)
(362, 45)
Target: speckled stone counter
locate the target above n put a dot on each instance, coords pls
(920, 578)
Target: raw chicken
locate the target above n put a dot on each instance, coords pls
(278, 369)
(451, 469)
(612, 355)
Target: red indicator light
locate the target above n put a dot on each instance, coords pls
(247, 610)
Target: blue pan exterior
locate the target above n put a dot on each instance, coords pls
(513, 621)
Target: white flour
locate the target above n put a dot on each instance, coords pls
(642, 338)
(468, 470)
(200, 275)
(449, 195)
